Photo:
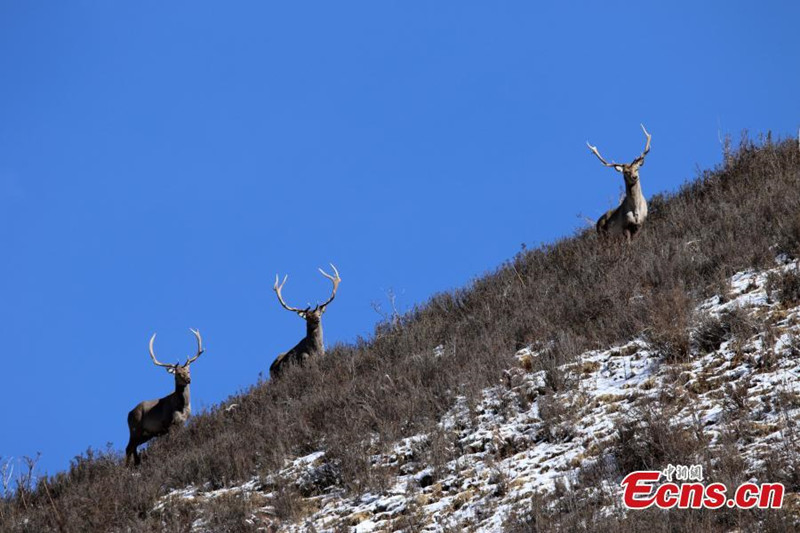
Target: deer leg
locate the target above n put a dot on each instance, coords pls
(628, 235)
(130, 451)
(134, 442)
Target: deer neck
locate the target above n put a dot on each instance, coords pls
(634, 193)
(181, 397)
(314, 336)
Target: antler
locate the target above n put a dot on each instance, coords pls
(277, 288)
(600, 157)
(335, 281)
(153, 355)
(200, 349)
(639, 160)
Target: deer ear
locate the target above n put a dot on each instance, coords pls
(618, 168)
(171, 370)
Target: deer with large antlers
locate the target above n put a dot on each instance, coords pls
(627, 219)
(152, 418)
(311, 345)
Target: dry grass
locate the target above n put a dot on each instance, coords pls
(785, 287)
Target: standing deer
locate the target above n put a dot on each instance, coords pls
(152, 418)
(311, 345)
(628, 217)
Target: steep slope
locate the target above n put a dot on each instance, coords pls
(455, 354)
(738, 393)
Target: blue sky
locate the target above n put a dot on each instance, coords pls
(159, 164)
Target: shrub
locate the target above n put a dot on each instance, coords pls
(647, 439)
(785, 287)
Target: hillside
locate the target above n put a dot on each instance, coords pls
(526, 455)
(518, 402)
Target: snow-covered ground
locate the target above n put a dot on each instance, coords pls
(519, 441)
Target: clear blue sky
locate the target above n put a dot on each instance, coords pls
(160, 163)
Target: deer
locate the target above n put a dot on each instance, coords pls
(311, 345)
(153, 418)
(627, 218)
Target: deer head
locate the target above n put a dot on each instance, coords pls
(180, 371)
(630, 171)
(309, 314)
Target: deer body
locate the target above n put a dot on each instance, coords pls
(627, 219)
(168, 411)
(312, 344)
(152, 418)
